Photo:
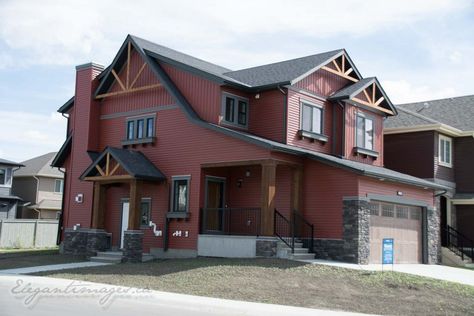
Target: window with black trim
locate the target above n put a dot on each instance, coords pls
(364, 132)
(180, 194)
(145, 211)
(140, 130)
(235, 110)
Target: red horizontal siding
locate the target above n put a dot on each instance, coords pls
(323, 83)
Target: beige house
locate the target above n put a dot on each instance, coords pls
(41, 188)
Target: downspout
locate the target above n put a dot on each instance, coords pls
(36, 196)
(343, 136)
(60, 222)
(285, 114)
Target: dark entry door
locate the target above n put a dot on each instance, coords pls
(215, 204)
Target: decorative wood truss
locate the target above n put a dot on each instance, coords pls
(108, 172)
(373, 99)
(342, 68)
(129, 85)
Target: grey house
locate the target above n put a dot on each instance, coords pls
(40, 186)
(8, 202)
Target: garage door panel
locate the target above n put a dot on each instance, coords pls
(403, 224)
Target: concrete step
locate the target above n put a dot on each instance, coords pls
(281, 244)
(301, 256)
(147, 257)
(110, 254)
(449, 258)
(297, 250)
(106, 259)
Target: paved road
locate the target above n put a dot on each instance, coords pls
(458, 275)
(41, 296)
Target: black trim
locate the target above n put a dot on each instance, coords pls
(66, 106)
(177, 214)
(63, 153)
(138, 141)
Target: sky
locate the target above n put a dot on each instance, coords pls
(419, 49)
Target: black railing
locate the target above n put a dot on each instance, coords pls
(459, 244)
(231, 221)
(295, 229)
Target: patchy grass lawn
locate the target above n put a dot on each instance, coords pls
(22, 258)
(289, 283)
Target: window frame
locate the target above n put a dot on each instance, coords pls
(4, 176)
(61, 186)
(146, 200)
(132, 128)
(309, 133)
(8, 177)
(446, 140)
(361, 148)
(236, 110)
(174, 179)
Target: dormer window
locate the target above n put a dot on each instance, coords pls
(311, 122)
(235, 110)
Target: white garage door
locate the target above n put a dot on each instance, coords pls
(400, 222)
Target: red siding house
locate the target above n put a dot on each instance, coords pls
(172, 156)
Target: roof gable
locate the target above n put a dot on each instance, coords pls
(39, 166)
(367, 92)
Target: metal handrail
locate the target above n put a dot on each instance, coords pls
(296, 214)
(458, 243)
(287, 229)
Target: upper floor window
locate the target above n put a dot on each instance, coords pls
(364, 132)
(58, 185)
(5, 176)
(445, 151)
(235, 110)
(140, 130)
(312, 118)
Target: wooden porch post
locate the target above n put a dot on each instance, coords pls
(98, 206)
(268, 198)
(297, 187)
(135, 200)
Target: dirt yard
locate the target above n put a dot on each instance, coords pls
(290, 283)
(13, 258)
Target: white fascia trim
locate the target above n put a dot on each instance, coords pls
(462, 201)
(442, 128)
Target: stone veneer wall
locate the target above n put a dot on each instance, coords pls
(133, 246)
(266, 247)
(85, 242)
(433, 233)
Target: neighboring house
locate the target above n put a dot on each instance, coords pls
(41, 188)
(169, 154)
(8, 202)
(434, 140)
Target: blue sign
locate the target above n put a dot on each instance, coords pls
(387, 251)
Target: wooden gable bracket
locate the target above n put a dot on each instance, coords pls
(341, 69)
(128, 87)
(109, 172)
(372, 102)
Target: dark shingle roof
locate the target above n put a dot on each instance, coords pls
(39, 166)
(282, 72)
(135, 164)
(352, 90)
(457, 112)
(407, 118)
(10, 163)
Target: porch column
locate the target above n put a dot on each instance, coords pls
(98, 206)
(134, 211)
(297, 187)
(268, 198)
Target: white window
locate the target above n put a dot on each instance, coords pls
(5, 176)
(58, 185)
(311, 118)
(445, 151)
(365, 132)
(235, 110)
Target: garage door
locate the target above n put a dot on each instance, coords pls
(400, 222)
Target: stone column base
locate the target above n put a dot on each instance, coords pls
(266, 247)
(97, 240)
(85, 242)
(133, 246)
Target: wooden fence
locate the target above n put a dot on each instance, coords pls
(28, 233)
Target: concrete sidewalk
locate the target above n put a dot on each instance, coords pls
(445, 273)
(53, 267)
(30, 295)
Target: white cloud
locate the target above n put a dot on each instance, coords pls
(402, 91)
(24, 135)
(70, 32)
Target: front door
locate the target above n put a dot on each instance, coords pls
(215, 204)
(124, 226)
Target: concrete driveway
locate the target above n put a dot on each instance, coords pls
(458, 275)
(30, 295)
